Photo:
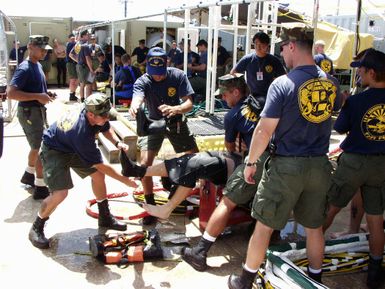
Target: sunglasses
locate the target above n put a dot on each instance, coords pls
(283, 45)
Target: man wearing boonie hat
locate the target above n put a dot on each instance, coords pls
(295, 123)
(29, 87)
(321, 59)
(167, 94)
(70, 143)
(362, 164)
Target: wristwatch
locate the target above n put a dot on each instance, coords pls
(251, 164)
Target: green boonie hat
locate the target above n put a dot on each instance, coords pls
(98, 103)
(296, 31)
(40, 41)
(228, 80)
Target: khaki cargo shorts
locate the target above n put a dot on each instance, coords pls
(56, 168)
(298, 184)
(83, 72)
(71, 70)
(356, 171)
(237, 189)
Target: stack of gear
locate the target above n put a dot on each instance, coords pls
(122, 249)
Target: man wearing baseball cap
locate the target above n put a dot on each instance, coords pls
(167, 94)
(295, 125)
(70, 143)
(362, 164)
(29, 87)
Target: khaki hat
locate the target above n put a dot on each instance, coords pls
(98, 103)
(229, 80)
(296, 31)
(40, 41)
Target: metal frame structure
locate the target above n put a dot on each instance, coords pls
(3, 18)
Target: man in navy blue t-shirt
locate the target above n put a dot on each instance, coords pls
(29, 87)
(362, 164)
(296, 121)
(167, 94)
(69, 143)
(261, 67)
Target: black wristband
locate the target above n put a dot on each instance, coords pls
(117, 142)
(251, 164)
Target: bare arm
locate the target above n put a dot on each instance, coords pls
(184, 107)
(261, 138)
(111, 172)
(230, 146)
(14, 93)
(113, 138)
(135, 104)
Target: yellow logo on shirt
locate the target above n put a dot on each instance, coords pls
(171, 91)
(269, 68)
(326, 65)
(316, 99)
(68, 119)
(249, 114)
(77, 48)
(373, 123)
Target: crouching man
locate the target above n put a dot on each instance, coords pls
(70, 143)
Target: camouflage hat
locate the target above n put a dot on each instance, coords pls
(296, 32)
(229, 80)
(98, 103)
(40, 41)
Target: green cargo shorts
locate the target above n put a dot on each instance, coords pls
(56, 168)
(237, 189)
(356, 171)
(71, 70)
(33, 121)
(298, 184)
(180, 138)
(83, 72)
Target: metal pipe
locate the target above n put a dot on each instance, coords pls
(165, 30)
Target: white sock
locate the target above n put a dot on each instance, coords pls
(99, 201)
(248, 269)
(39, 182)
(30, 170)
(314, 271)
(208, 237)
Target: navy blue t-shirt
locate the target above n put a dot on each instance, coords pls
(363, 118)
(81, 49)
(168, 91)
(140, 53)
(173, 54)
(73, 133)
(269, 65)
(203, 60)
(240, 119)
(29, 77)
(223, 55)
(69, 47)
(324, 62)
(303, 100)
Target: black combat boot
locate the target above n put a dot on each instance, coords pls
(375, 273)
(197, 255)
(107, 220)
(73, 97)
(129, 168)
(28, 179)
(40, 193)
(315, 276)
(245, 281)
(36, 234)
(149, 220)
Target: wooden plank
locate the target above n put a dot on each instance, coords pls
(127, 136)
(111, 152)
